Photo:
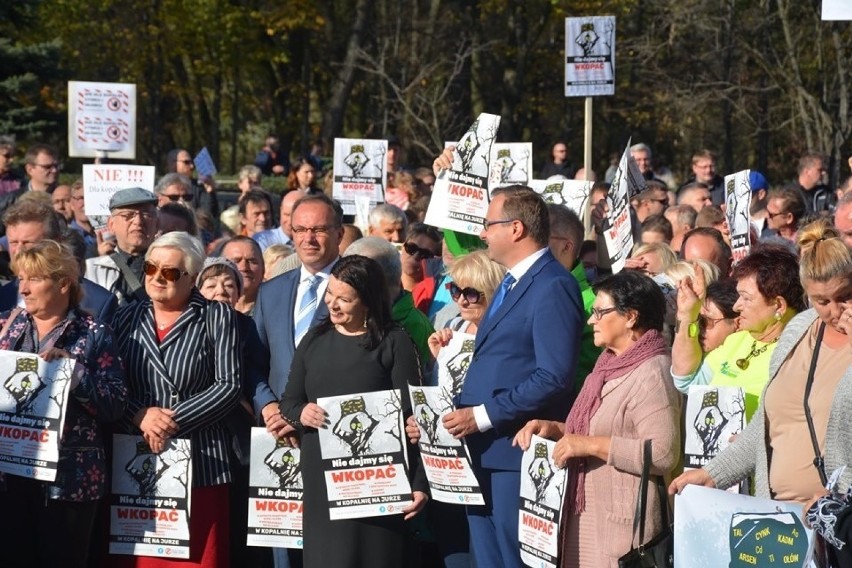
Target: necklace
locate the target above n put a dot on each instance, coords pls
(744, 363)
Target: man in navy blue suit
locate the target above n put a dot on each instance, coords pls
(288, 305)
(522, 367)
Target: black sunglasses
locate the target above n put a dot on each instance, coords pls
(169, 274)
(175, 198)
(414, 250)
(472, 295)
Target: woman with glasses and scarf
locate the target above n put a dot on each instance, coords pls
(768, 299)
(422, 244)
(181, 353)
(626, 400)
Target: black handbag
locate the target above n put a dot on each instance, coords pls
(659, 551)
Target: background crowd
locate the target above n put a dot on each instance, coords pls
(193, 316)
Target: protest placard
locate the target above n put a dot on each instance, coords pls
(737, 212)
(101, 119)
(712, 416)
(445, 459)
(101, 181)
(542, 488)
(33, 400)
(510, 164)
(150, 500)
(618, 229)
(275, 492)
(204, 163)
(363, 455)
(573, 194)
(360, 170)
(589, 56)
(452, 362)
(836, 10)
(714, 528)
(460, 195)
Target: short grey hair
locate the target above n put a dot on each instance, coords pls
(382, 252)
(641, 147)
(387, 212)
(169, 180)
(250, 172)
(191, 247)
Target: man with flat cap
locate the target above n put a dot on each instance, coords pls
(133, 221)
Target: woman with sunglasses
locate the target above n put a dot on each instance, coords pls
(422, 243)
(50, 523)
(183, 363)
(626, 400)
(768, 298)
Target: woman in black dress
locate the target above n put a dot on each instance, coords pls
(357, 349)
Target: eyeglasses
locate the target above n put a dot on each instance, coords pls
(709, 323)
(472, 295)
(662, 201)
(48, 167)
(128, 216)
(320, 230)
(7, 155)
(773, 215)
(599, 313)
(486, 224)
(414, 250)
(169, 274)
(173, 198)
(185, 162)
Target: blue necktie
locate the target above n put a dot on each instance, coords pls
(307, 307)
(505, 285)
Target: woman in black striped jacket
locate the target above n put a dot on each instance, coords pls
(183, 370)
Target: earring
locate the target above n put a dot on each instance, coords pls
(365, 322)
(777, 316)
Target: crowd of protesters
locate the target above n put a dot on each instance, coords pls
(187, 321)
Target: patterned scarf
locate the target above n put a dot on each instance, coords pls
(608, 367)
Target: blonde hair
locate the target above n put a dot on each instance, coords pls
(667, 257)
(686, 269)
(477, 270)
(276, 252)
(824, 256)
(50, 259)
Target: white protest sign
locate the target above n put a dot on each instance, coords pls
(150, 500)
(573, 194)
(618, 229)
(460, 195)
(542, 488)
(360, 171)
(101, 181)
(452, 362)
(738, 200)
(33, 401)
(275, 493)
(836, 10)
(101, 119)
(590, 56)
(445, 459)
(363, 455)
(714, 528)
(712, 416)
(511, 164)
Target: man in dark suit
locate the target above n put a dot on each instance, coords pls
(288, 305)
(522, 368)
(28, 222)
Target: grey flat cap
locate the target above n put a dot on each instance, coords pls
(130, 197)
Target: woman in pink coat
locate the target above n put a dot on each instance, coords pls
(627, 399)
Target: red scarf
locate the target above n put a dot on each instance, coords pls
(608, 366)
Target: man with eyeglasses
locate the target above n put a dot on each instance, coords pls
(652, 201)
(174, 188)
(133, 222)
(288, 306)
(704, 172)
(41, 163)
(784, 208)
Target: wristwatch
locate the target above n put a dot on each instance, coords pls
(691, 330)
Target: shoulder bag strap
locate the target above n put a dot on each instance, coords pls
(12, 315)
(642, 498)
(819, 462)
(129, 276)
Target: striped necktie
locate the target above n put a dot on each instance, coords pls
(504, 288)
(307, 307)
